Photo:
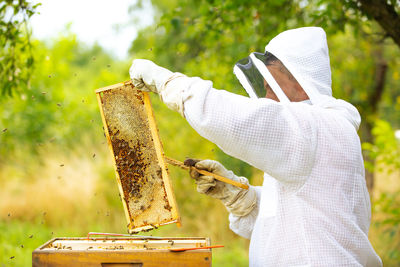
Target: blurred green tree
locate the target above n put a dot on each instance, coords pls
(386, 149)
(61, 106)
(17, 60)
(386, 153)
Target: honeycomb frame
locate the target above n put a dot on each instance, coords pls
(132, 134)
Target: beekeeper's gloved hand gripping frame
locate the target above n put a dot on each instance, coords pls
(148, 76)
(237, 201)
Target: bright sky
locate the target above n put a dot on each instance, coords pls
(104, 21)
(397, 134)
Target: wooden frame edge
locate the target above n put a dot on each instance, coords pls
(128, 82)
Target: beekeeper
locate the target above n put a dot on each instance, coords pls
(313, 208)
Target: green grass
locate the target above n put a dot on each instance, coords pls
(18, 239)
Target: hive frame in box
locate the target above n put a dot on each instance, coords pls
(155, 139)
(131, 251)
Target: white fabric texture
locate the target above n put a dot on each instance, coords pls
(314, 207)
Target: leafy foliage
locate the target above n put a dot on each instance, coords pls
(386, 224)
(60, 107)
(16, 56)
(386, 149)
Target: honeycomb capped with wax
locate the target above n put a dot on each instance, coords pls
(142, 177)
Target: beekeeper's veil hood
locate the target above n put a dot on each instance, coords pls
(304, 52)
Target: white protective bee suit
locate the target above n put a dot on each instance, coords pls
(313, 208)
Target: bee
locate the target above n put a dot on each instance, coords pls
(61, 165)
(30, 236)
(22, 246)
(58, 104)
(12, 257)
(4, 130)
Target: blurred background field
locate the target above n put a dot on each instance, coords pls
(56, 173)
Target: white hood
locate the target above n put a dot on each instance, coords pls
(304, 52)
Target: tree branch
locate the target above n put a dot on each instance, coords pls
(385, 14)
(374, 99)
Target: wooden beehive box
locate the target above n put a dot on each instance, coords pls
(113, 252)
(141, 172)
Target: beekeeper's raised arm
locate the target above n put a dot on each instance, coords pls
(229, 121)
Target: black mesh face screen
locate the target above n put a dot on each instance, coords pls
(253, 76)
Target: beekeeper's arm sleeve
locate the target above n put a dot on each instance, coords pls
(272, 137)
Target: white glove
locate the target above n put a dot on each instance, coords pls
(147, 76)
(237, 201)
